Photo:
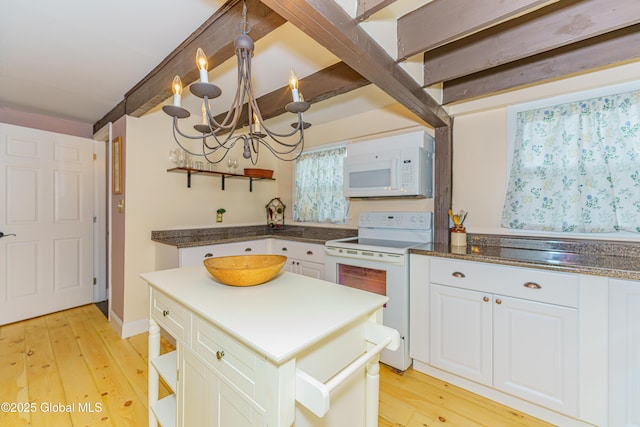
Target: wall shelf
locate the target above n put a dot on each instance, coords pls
(190, 171)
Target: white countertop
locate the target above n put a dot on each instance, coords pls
(277, 319)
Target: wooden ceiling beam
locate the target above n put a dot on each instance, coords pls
(607, 49)
(366, 8)
(216, 38)
(328, 24)
(545, 29)
(334, 80)
(443, 21)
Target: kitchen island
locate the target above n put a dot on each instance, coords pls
(293, 351)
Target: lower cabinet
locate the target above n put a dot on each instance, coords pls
(624, 353)
(211, 401)
(529, 338)
(302, 258)
(525, 348)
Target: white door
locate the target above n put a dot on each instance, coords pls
(46, 202)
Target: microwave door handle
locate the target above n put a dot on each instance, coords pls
(394, 174)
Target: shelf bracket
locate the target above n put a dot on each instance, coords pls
(222, 182)
(250, 185)
(188, 179)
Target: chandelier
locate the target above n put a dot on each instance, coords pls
(219, 138)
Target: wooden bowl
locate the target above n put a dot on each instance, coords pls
(245, 270)
(258, 173)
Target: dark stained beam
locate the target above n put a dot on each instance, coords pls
(548, 28)
(442, 188)
(324, 84)
(328, 24)
(366, 8)
(596, 52)
(443, 21)
(215, 37)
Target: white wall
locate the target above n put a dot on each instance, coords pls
(480, 148)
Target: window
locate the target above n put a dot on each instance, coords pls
(576, 166)
(318, 193)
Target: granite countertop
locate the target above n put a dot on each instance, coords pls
(601, 258)
(212, 236)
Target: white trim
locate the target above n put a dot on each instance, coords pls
(129, 329)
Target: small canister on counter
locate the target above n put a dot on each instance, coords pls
(458, 236)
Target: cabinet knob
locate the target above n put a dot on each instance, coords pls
(532, 285)
(309, 252)
(219, 354)
(498, 301)
(485, 299)
(284, 249)
(165, 313)
(247, 250)
(458, 274)
(208, 255)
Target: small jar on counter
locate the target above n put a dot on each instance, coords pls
(458, 236)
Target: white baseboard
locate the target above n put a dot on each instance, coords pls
(126, 330)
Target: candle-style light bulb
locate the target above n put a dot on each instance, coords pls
(204, 114)
(202, 63)
(256, 124)
(293, 84)
(176, 87)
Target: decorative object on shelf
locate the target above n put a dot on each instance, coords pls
(219, 213)
(245, 270)
(259, 173)
(458, 232)
(275, 213)
(214, 147)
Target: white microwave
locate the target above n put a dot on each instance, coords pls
(398, 166)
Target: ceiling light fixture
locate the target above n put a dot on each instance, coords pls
(214, 147)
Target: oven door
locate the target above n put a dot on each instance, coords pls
(385, 278)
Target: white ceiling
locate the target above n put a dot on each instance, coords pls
(75, 59)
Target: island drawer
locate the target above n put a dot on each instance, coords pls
(171, 316)
(519, 282)
(227, 356)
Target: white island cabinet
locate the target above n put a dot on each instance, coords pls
(293, 351)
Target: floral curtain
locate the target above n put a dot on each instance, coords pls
(319, 195)
(576, 167)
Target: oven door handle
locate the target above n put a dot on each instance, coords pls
(315, 396)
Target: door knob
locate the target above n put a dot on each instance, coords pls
(5, 235)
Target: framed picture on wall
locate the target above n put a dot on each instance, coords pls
(116, 165)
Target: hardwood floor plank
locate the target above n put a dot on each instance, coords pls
(45, 385)
(124, 406)
(75, 375)
(13, 388)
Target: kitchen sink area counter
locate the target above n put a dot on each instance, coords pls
(615, 259)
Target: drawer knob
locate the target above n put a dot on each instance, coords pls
(219, 354)
(532, 285)
(284, 249)
(498, 301)
(485, 299)
(208, 255)
(247, 250)
(309, 252)
(458, 274)
(165, 313)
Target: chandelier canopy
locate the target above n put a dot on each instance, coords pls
(219, 138)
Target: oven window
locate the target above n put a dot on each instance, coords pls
(367, 279)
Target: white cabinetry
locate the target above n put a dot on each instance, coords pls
(167, 256)
(516, 335)
(624, 353)
(303, 258)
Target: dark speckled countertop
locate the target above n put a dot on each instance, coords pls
(212, 236)
(601, 258)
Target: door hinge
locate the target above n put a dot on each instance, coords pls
(95, 156)
(95, 281)
(95, 219)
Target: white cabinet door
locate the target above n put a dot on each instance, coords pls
(211, 401)
(536, 352)
(302, 258)
(460, 333)
(624, 353)
(311, 269)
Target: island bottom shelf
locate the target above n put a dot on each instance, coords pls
(165, 411)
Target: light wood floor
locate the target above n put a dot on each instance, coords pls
(71, 369)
